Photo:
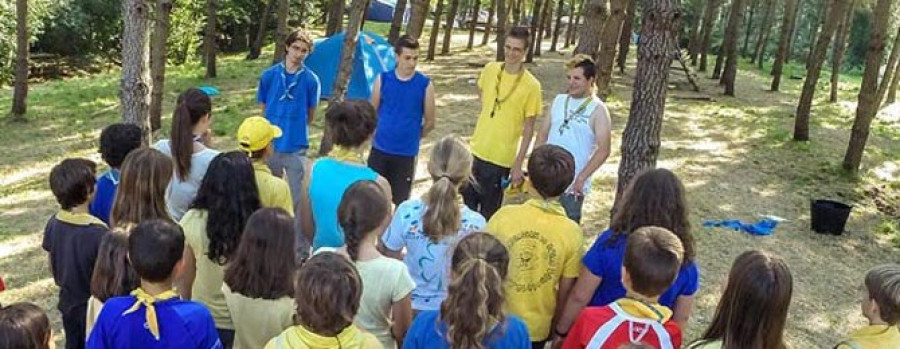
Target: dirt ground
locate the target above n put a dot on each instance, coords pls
(733, 154)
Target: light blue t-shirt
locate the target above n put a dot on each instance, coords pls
(428, 331)
(288, 98)
(329, 180)
(428, 262)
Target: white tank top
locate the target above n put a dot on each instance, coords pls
(571, 128)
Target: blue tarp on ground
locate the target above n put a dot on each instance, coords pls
(373, 56)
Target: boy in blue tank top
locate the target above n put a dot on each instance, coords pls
(404, 99)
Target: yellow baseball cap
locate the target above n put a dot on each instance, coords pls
(255, 133)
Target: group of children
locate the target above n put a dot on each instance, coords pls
(209, 249)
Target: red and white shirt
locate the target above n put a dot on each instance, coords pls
(622, 322)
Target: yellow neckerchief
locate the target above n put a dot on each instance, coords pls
(78, 218)
(348, 336)
(874, 335)
(147, 300)
(645, 310)
(550, 206)
(345, 154)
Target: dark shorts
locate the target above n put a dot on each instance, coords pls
(398, 170)
(572, 204)
(74, 325)
(226, 337)
(485, 195)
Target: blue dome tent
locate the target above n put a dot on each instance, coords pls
(373, 56)
(383, 11)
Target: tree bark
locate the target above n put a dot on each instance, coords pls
(542, 27)
(517, 12)
(885, 81)
(720, 63)
(476, 11)
(259, 41)
(640, 139)
(794, 28)
(557, 25)
(535, 28)
(625, 35)
(609, 38)
(832, 17)
(595, 14)
(892, 91)
(814, 32)
(158, 55)
(397, 21)
(345, 68)
(570, 28)
(867, 107)
(135, 86)
(502, 16)
(281, 30)
(694, 35)
(489, 24)
(787, 28)
(20, 89)
(336, 17)
(710, 14)
(732, 31)
(435, 29)
(209, 40)
(837, 53)
(763, 33)
(746, 47)
(448, 30)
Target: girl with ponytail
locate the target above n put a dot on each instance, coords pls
(472, 316)
(188, 149)
(427, 226)
(385, 309)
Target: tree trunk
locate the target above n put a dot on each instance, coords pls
(694, 35)
(489, 24)
(609, 38)
(542, 25)
(832, 17)
(595, 15)
(502, 16)
(448, 30)
(158, 55)
(535, 28)
(336, 17)
(281, 30)
(889, 69)
(867, 107)
(625, 35)
(710, 14)
(209, 39)
(794, 28)
(817, 26)
(745, 49)
(892, 91)
(135, 86)
(640, 139)
(557, 24)
(576, 32)
(259, 41)
(570, 28)
(345, 68)
(435, 29)
(763, 33)
(837, 53)
(731, 55)
(397, 21)
(720, 62)
(517, 12)
(474, 24)
(787, 28)
(20, 91)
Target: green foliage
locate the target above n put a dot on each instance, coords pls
(859, 39)
(185, 30)
(83, 27)
(39, 12)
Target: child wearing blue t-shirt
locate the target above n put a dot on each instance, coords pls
(472, 316)
(153, 316)
(116, 141)
(654, 198)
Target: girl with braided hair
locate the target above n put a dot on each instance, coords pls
(385, 308)
(472, 316)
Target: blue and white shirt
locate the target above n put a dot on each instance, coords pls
(428, 262)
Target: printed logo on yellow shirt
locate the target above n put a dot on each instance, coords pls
(534, 261)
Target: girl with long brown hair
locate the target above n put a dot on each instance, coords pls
(426, 227)
(141, 194)
(753, 309)
(24, 326)
(113, 275)
(189, 149)
(654, 198)
(472, 315)
(385, 309)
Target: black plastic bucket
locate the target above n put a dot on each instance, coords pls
(828, 217)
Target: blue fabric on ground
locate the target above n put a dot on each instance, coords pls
(764, 226)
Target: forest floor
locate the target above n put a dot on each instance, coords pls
(734, 154)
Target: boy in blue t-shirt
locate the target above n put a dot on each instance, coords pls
(153, 316)
(289, 93)
(116, 141)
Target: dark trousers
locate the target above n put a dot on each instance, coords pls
(539, 345)
(485, 195)
(226, 337)
(74, 324)
(572, 204)
(398, 170)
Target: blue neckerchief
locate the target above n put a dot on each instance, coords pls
(293, 82)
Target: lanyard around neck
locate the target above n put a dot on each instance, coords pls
(567, 116)
(497, 100)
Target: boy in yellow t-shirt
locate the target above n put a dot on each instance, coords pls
(881, 306)
(510, 102)
(544, 244)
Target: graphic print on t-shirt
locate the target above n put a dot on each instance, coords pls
(534, 261)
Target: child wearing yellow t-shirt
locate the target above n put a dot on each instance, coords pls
(881, 306)
(544, 244)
